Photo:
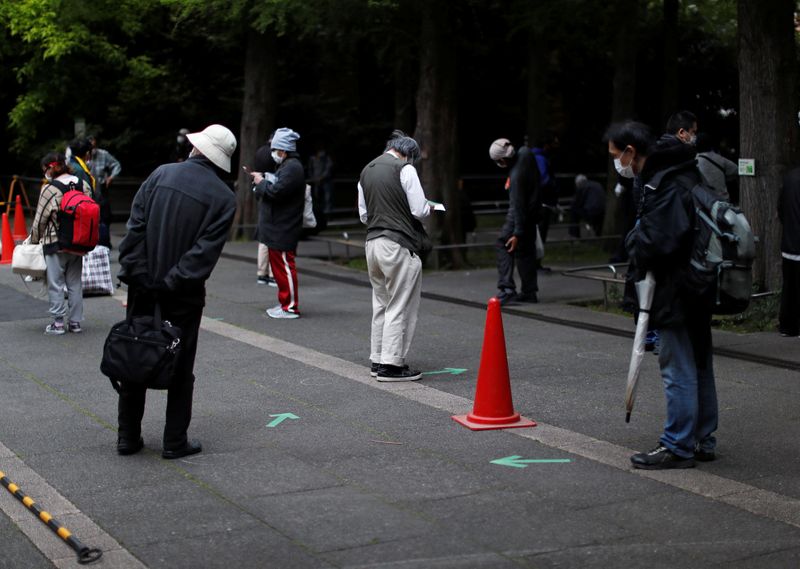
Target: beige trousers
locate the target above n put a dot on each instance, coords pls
(396, 277)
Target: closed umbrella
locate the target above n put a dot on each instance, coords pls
(644, 291)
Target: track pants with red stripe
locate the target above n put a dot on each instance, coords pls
(284, 272)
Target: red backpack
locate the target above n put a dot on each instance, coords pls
(78, 220)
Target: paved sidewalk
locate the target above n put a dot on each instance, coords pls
(308, 462)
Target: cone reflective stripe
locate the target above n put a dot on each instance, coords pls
(85, 553)
(493, 407)
(19, 232)
(8, 243)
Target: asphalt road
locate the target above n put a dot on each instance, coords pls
(308, 462)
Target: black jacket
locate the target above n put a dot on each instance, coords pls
(661, 239)
(180, 219)
(524, 195)
(789, 212)
(280, 216)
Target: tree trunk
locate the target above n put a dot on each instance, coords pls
(537, 86)
(623, 102)
(258, 119)
(768, 121)
(436, 130)
(669, 87)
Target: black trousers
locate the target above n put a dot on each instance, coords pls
(185, 312)
(524, 258)
(789, 319)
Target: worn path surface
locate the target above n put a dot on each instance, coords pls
(378, 475)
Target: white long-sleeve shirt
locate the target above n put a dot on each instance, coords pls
(409, 179)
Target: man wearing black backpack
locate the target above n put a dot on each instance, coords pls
(661, 242)
(180, 219)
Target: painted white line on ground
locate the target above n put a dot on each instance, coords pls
(737, 494)
(48, 498)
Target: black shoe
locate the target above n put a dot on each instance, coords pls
(704, 455)
(530, 298)
(127, 446)
(388, 372)
(373, 370)
(506, 297)
(660, 458)
(189, 448)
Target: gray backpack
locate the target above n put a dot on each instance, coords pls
(723, 249)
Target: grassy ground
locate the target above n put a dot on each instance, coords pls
(760, 316)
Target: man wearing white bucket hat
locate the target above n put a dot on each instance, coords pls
(180, 219)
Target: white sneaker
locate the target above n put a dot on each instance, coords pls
(279, 312)
(55, 329)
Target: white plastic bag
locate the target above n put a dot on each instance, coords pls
(309, 220)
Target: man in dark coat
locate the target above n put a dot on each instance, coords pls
(516, 244)
(282, 198)
(180, 219)
(789, 216)
(661, 243)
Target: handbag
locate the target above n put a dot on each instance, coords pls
(309, 221)
(142, 350)
(28, 259)
(96, 272)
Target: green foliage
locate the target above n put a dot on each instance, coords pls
(760, 316)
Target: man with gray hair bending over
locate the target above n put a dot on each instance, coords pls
(391, 202)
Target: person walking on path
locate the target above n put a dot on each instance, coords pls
(180, 219)
(391, 203)
(63, 269)
(661, 243)
(547, 144)
(104, 168)
(264, 163)
(280, 220)
(516, 244)
(789, 216)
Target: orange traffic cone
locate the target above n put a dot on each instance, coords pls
(8, 243)
(493, 408)
(19, 232)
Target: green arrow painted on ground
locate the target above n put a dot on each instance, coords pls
(280, 418)
(450, 370)
(518, 462)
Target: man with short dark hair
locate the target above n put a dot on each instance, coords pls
(683, 124)
(661, 243)
(391, 203)
(180, 219)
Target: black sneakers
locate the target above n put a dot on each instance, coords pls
(126, 447)
(188, 448)
(373, 370)
(660, 458)
(386, 372)
(506, 297)
(704, 455)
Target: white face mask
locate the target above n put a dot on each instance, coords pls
(48, 177)
(624, 171)
(277, 157)
(692, 140)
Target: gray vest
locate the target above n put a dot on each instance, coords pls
(388, 212)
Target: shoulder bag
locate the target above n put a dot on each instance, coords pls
(142, 350)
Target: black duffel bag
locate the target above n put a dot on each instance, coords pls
(142, 350)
